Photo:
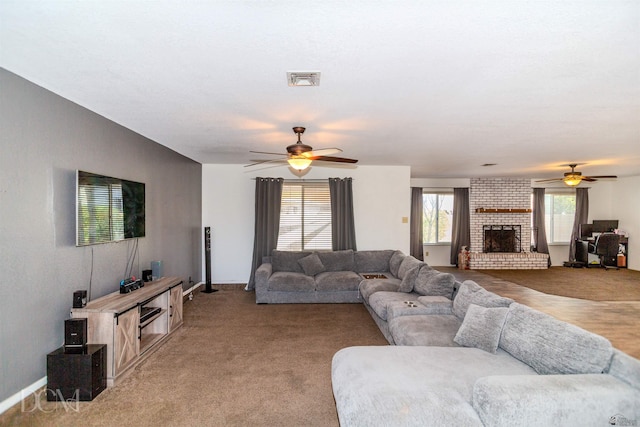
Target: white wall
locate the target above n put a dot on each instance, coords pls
(625, 206)
(381, 199)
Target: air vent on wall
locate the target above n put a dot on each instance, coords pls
(303, 78)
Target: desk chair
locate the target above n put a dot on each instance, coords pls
(606, 247)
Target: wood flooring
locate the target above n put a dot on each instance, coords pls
(618, 321)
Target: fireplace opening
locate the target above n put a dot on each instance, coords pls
(501, 238)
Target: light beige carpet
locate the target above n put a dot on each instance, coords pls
(233, 363)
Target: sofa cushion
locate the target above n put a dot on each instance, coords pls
(433, 282)
(338, 260)
(625, 368)
(291, 282)
(413, 386)
(407, 264)
(554, 400)
(426, 329)
(481, 328)
(369, 287)
(338, 281)
(472, 293)
(395, 261)
(409, 279)
(311, 264)
(288, 260)
(380, 300)
(436, 304)
(372, 261)
(551, 346)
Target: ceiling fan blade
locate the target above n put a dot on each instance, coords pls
(549, 180)
(322, 152)
(602, 176)
(266, 152)
(588, 179)
(333, 159)
(259, 162)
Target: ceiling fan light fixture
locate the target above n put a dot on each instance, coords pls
(572, 180)
(299, 163)
(303, 78)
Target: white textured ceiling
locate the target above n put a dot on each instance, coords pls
(442, 86)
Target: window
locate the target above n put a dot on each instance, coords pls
(437, 217)
(305, 217)
(560, 209)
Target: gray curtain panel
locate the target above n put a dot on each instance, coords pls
(267, 222)
(415, 226)
(538, 222)
(461, 227)
(581, 217)
(343, 230)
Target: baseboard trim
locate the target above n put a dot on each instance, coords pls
(22, 394)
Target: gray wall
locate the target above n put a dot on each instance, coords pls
(43, 140)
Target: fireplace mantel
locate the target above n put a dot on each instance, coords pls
(502, 210)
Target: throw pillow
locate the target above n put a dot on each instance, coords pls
(311, 264)
(481, 328)
(409, 279)
(472, 293)
(433, 282)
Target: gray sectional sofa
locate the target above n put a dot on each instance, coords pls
(480, 359)
(320, 277)
(460, 355)
(336, 277)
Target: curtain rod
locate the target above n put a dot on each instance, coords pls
(299, 180)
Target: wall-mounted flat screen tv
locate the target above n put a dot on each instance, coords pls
(108, 209)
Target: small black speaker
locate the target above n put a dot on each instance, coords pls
(79, 299)
(75, 333)
(147, 275)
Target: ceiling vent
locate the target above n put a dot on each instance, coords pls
(303, 78)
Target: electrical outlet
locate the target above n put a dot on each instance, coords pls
(405, 219)
(426, 253)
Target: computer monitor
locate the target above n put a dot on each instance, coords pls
(604, 225)
(586, 231)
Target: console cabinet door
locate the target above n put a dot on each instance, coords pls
(126, 344)
(175, 308)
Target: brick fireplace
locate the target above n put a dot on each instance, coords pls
(500, 218)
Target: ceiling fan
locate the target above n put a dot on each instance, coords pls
(574, 177)
(299, 155)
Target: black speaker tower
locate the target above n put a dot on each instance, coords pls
(207, 261)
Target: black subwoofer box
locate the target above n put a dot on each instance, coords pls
(76, 376)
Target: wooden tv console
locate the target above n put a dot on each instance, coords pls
(115, 320)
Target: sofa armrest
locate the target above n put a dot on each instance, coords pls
(262, 275)
(553, 400)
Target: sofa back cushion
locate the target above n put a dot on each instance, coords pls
(338, 260)
(395, 261)
(372, 261)
(408, 263)
(287, 260)
(472, 293)
(625, 368)
(434, 283)
(551, 346)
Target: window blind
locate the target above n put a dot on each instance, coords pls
(100, 216)
(305, 217)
